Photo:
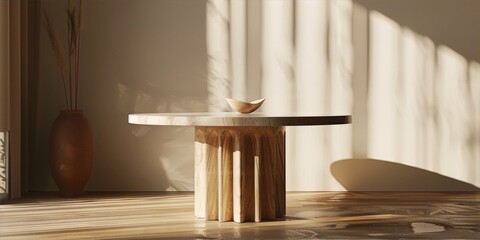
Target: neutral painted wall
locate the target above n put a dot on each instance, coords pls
(137, 56)
(446, 22)
(423, 107)
(148, 55)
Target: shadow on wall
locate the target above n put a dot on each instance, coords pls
(380, 175)
(424, 17)
(422, 101)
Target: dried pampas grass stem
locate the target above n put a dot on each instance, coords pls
(57, 49)
(72, 68)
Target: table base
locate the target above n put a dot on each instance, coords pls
(240, 173)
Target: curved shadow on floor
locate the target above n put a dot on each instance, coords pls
(380, 175)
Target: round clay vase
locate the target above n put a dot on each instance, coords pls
(71, 152)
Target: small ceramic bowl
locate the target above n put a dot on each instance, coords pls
(245, 107)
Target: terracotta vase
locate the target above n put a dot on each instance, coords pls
(71, 152)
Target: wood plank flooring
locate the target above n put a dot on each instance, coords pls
(310, 215)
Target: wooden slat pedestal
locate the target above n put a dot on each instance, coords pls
(239, 173)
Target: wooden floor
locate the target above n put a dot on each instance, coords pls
(312, 215)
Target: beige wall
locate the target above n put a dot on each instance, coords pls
(446, 22)
(137, 56)
(423, 107)
(149, 55)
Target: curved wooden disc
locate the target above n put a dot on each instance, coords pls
(235, 119)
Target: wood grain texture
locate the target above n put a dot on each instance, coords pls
(246, 177)
(268, 176)
(212, 194)
(244, 107)
(239, 160)
(256, 189)
(200, 174)
(280, 180)
(237, 180)
(310, 215)
(240, 169)
(226, 177)
(206, 181)
(228, 119)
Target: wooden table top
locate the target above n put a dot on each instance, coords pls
(231, 119)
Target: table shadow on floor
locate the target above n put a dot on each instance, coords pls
(381, 175)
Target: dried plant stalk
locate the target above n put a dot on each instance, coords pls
(57, 49)
(77, 61)
(74, 25)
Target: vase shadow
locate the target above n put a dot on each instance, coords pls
(381, 175)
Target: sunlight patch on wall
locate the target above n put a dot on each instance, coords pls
(309, 73)
(311, 69)
(238, 28)
(421, 100)
(169, 149)
(309, 148)
(341, 90)
(178, 173)
(451, 93)
(218, 50)
(305, 52)
(277, 56)
(383, 70)
(323, 69)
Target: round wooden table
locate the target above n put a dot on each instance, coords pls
(239, 160)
